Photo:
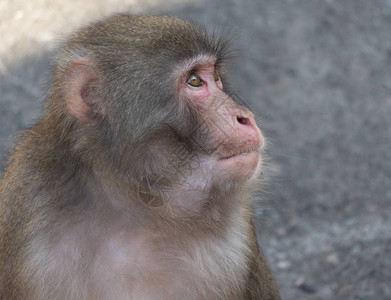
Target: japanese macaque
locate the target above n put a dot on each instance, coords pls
(136, 182)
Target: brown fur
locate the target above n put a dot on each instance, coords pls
(116, 192)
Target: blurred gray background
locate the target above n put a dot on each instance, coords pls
(318, 76)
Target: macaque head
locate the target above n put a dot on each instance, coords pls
(147, 96)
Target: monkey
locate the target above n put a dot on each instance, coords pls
(136, 182)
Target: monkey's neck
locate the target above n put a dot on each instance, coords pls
(210, 211)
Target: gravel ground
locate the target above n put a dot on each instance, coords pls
(318, 75)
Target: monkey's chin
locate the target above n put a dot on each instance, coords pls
(239, 167)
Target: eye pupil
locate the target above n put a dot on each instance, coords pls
(194, 80)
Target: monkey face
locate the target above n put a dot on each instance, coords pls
(226, 132)
(154, 102)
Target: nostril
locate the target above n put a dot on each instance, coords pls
(243, 121)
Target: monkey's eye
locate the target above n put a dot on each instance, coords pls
(194, 80)
(216, 76)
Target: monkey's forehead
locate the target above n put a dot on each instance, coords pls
(143, 35)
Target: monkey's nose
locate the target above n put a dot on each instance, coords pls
(247, 121)
(248, 128)
(243, 121)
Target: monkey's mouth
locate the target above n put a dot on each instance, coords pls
(244, 152)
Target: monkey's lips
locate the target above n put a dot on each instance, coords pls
(240, 165)
(242, 153)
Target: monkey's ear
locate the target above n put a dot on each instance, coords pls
(81, 84)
